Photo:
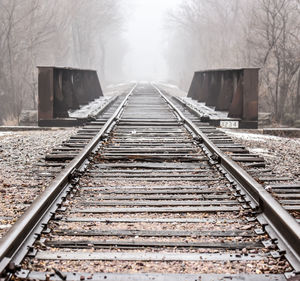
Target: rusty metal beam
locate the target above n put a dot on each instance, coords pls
(61, 89)
(232, 90)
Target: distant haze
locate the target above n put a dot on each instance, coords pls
(146, 35)
(168, 40)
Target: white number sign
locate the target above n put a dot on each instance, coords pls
(229, 124)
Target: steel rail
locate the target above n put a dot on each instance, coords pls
(283, 225)
(15, 245)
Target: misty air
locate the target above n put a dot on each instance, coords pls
(150, 140)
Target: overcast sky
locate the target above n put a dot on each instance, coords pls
(146, 35)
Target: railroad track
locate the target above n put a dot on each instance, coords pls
(151, 192)
(285, 189)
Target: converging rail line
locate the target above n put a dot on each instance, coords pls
(151, 195)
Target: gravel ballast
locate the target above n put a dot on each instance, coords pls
(281, 154)
(22, 177)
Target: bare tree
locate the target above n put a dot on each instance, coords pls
(211, 33)
(277, 43)
(235, 33)
(54, 32)
(23, 30)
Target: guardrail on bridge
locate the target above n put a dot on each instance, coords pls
(231, 90)
(61, 89)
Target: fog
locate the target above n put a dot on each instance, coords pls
(146, 36)
(167, 40)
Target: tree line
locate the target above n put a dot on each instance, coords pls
(201, 34)
(61, 33)
(241, 33)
